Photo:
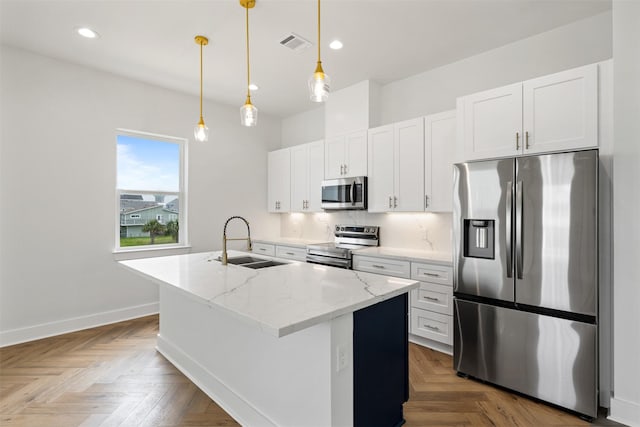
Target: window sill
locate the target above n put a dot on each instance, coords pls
(135, 253)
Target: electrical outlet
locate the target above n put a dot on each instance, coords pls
(341, 358)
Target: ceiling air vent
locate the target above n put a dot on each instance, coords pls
(295, 42)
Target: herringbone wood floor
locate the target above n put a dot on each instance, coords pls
(113, 376)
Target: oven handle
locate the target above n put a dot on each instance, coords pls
(329, 261)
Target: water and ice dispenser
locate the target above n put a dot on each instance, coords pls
(479, 238)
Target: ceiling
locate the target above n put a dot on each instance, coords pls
(384, 40)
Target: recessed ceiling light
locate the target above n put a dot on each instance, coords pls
(336, 45)
(253, 86)
(87, 32)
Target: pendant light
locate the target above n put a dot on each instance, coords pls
(201, 131)
(319, 82)
(248, 112)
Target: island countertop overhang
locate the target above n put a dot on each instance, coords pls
(279, 300)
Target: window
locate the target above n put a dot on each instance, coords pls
(150, 189)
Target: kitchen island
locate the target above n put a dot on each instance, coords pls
(292, 345)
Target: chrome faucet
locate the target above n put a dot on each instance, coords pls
(224, 238)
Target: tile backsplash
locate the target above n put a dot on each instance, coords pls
(426, 231)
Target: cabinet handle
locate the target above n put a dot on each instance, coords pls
(341, 169)
(433, 328)
(390, 201)
(431, 274)
(431, 298)
(262, 249)
(377, 266)
(517, 141)
(526, 140)
(345, 169)
(426, 201)
(290, 253)
(395, 202)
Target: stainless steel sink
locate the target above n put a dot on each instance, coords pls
(243, 260)
(252, 262)
(263, 264)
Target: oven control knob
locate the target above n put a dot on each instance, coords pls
(337, 228)
(341, 228)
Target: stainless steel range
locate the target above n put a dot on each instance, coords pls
(347, 238)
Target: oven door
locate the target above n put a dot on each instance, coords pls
(345, 193)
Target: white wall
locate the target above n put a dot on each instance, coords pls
(583, 42)
(303, 127)
(625, 404)
(57, 187)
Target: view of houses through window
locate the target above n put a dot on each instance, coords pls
(150, 190)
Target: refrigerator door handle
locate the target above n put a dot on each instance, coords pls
(519, 230)
(508, 203)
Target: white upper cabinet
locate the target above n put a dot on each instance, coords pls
(381, 169)
(307, 173)
(493, 122)
(279, 180)
(396, 168)
(551, 113)
(439, 147)
(346, 155)
(560, 111)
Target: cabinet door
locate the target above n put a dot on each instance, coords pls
(560, 111)
(439, 146)
(356, 154)
(381, 169)
(409, 165)
(299, 177)
(279, 180)
(315, 169)
(334, 157)
(493, 123)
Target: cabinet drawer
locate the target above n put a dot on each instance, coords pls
(264, 249)
(432, 297)
(388, 267)
(434, 326)
(289, 252)
(432, 273)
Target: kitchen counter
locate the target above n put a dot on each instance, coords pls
(414, 255)
(279, 300)
(291, 345)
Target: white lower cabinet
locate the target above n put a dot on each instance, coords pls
(264, 249)
(431, 325)
(431, 305)
(386, 266)
(291, 252)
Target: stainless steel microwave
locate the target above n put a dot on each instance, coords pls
(344, 193)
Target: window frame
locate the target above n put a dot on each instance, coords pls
(182, 194)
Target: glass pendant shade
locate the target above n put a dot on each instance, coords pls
(319, 85)
(248, 114)
(201, 131)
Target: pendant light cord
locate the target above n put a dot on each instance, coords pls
(200, 80)
(248, 66)
(318, 30)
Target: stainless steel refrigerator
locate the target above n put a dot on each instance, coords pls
(526, 276)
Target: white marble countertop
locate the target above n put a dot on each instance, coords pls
(414, 255)
(279, 300)
(288, 241)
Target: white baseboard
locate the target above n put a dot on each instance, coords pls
(434, 345)
(624, 412)
(45, 330)
(225, 397)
